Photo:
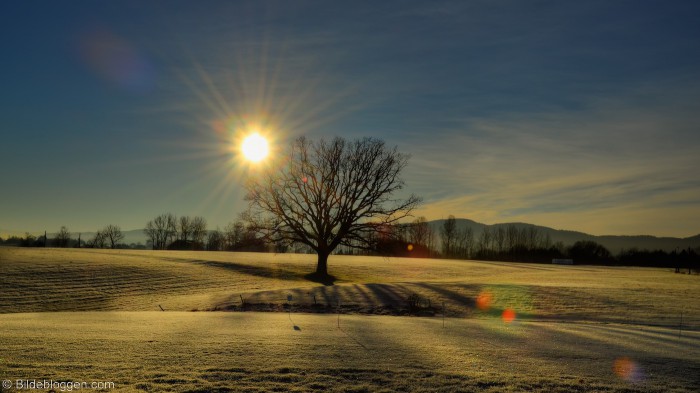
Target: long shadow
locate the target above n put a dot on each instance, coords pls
(325, 279)
(386, 294)
(258, 271)
(662, 360)
(452, 295)
(363, 292)
(354, 339)
(328, 298)
(511, 265)
(668, 336)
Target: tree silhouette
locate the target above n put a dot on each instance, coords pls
(327, 194)
(448, 231)
(161, 230)
(589, 251)
(215, 240)
(62, 237)
(191, 233)
(98, 241)
(113, 233)
(419, 232)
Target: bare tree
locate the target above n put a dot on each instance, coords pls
(449, 236)
(98, 241)
(191, 233)
(233, 235)
(161, 230)
(328, 194)
(464, 243)
(419, 232)
(534, 238)
(485, 240)
(215, 240)
(432, 240)
(184, 229)
(62, 237)
(546, 241)
(113, 233)
(198, 230)
(512, 237)
(499, 238)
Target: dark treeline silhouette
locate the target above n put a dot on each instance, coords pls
(503, 243)
(412, 240)
(415, 239)
(237, 236)
(110, 236)
(28, 240)
(167, 232)
(527, 244)
(681, 260)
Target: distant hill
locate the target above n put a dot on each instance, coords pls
(613, 243)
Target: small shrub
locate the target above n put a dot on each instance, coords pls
(413, 302)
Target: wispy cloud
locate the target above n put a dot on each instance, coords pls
(625, 164)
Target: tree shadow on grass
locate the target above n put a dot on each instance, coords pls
(325, 279)
(273, 271)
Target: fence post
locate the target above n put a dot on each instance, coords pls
(443, 313)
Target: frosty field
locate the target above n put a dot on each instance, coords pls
(94, 315)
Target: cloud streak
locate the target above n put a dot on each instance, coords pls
(623, 165)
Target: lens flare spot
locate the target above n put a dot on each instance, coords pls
(484, 300)
(117, 61)
(627, 369)
(410, 247)
(508, 315)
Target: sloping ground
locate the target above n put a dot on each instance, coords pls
(264, 352)
(78, 280)
(34, 280)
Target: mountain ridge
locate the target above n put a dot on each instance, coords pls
(614, 243)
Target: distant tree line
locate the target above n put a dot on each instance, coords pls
(168, 232)
(110, 236)
(28, 240)
(417, 239)
(528, 244)
(506, 243)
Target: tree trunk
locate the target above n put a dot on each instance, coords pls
(322, 266)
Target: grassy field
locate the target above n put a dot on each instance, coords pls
(94, 315)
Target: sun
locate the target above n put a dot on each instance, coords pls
(255, 147)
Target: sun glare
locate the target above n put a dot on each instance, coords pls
(255, 147)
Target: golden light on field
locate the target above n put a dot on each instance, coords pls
(255, 147)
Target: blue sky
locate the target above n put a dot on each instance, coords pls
(574, 115)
